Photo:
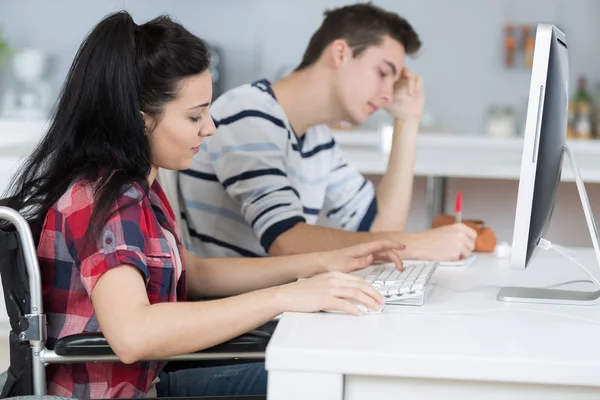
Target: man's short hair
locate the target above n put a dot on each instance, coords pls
(361, 25)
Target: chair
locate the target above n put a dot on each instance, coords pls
(21, 281)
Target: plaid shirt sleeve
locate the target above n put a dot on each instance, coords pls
(120, 241)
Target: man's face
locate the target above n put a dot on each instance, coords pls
(366, 82)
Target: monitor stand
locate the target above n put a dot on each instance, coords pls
(557, 296)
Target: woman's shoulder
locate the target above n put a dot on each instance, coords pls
(78, 196)
(81, 195)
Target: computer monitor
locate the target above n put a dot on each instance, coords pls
(545, 136)
(541, 166)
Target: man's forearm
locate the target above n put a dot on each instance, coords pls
(395, 189)
(305, 238)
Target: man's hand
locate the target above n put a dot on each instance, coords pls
(360, 256)
(409, 97)
(447, 243)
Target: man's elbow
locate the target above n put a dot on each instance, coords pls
(388, 224)
(281, 248)
(286, 244)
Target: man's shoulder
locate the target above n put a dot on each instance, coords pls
(254, 96)
(322, 130)
(319, 136)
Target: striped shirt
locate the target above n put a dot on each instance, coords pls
(255, 179)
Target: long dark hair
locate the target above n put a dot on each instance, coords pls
(97, 132)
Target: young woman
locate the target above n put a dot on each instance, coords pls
(137, 99)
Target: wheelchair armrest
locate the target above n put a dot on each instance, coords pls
(253, 341)
(94, 344)
(83, 344)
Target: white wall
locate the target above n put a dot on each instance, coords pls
(461, 58)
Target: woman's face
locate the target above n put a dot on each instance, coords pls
(175, 137)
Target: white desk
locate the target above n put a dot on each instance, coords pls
(462, 156)
(441, 156)
(459, 345)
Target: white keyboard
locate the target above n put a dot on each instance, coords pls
(408, 287)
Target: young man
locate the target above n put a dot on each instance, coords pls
(258, 186)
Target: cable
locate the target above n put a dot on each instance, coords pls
(473, 289)
(543, 244)
(547, 245)
(478, 288)
(567, 283)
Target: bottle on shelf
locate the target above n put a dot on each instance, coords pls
(571, 134)
(584, 121)
(528, 37)
(596, 101)
(582, 104)
(510, 45)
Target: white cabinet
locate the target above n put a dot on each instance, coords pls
(17, 139)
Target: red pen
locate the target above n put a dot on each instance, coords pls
(458, 207)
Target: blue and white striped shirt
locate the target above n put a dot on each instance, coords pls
(254, 179)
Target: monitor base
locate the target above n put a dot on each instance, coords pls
(555, 296)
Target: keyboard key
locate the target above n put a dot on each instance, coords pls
(402, 287)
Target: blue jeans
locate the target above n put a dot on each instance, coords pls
(226, 380)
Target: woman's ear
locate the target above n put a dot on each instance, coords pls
(148, 122)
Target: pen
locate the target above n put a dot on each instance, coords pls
(459, 207)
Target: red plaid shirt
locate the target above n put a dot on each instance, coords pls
(71, 268)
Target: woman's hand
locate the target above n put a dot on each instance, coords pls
(330, 291)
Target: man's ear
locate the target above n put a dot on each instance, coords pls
(340, 52)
